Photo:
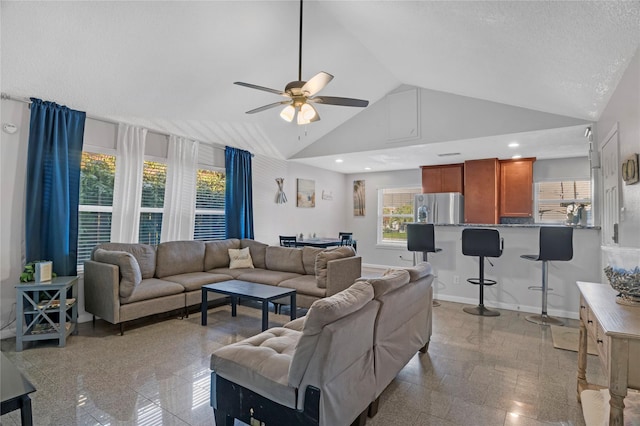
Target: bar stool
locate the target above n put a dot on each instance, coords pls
(482, 242)
(421, 238)
(556, 243)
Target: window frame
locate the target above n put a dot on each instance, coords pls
(143, 210)
(89, 208)
(208, 212)
(537, 201)
(380, 241)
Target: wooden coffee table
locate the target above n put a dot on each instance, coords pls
(247, 290)
(14, 391)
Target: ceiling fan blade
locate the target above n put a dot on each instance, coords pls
(264, 89)
(316, 83)
(269, 106)
(334, 100)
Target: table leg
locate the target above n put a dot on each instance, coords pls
(203, 307)
(25, 411)
(19, 320)
(293, 306)
(265, 315)
(582, 360)
(234, 303)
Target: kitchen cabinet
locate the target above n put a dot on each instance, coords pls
(444, 178)
(481, 190)
(516, 187)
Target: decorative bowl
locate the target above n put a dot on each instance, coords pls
(623, 272)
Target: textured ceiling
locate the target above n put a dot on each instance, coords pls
(171, 65)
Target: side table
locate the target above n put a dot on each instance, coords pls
(14, 391)
(46, 310)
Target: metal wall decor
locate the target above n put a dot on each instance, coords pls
(281, 197)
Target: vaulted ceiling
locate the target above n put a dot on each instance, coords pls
(171, 65)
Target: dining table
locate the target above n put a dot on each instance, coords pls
(319, 242)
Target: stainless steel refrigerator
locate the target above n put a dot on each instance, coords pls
(441, 208)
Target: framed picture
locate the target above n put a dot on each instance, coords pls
(306, 196)
(358, 198)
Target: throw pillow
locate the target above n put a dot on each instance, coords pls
(324, 257)
(391, 280)
(240, 258)
(130, 275)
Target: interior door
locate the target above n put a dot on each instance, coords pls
(611, 188)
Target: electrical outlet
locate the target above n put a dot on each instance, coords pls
(456, 279)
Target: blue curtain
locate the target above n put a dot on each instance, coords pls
(238, 195)
(53, 184)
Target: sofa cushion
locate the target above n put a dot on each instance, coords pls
(327, 255)
(234, 273)
(332, 308)
(421, 270)
(240, 258)
(285, 259)
(179, 257)
(305, 284)
(195, 280)
(216, 253)
(309, 258)
(265, 276)
(144, 254)
(258, 251)
(130, 275)
(152, 288)
(391, 280)
(261, 364)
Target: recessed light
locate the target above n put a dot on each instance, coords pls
(515, 157)
(339, 160)
(514, 145)
(367, 168)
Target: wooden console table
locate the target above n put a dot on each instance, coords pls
(616, 329)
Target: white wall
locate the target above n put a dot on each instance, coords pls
(624, 108)
(326, 219)
(270, 219)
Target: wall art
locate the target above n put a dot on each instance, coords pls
(358, 198)
(306, 196)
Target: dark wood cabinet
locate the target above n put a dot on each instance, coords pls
(516, 187)
(444, 178)
(481, 186)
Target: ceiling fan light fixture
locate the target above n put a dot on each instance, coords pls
(288, 113)
(302, 120)
(308, 112)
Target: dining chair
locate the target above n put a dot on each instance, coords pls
(346, 239)
(288, 241)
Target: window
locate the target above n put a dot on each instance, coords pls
(395, 210)
(154, 179)
(97, 172)
(209, 223)
(563, 201)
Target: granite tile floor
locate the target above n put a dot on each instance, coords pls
(478, 371)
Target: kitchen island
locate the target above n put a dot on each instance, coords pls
(512, 273)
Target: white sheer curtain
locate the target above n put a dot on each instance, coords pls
(178, 218)
(127, 186)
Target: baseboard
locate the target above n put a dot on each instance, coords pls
(507, 306)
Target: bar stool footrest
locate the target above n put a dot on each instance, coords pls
(537, 287)
(478, 281)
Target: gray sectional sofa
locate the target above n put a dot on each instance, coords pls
(123, 282)
(329, 367)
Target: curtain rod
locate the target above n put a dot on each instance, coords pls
(27, 101)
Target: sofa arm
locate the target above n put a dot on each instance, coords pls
(102, 290)
(341, 273)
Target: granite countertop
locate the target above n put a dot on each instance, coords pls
(512, 225)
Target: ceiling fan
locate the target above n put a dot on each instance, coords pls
(300, 94)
